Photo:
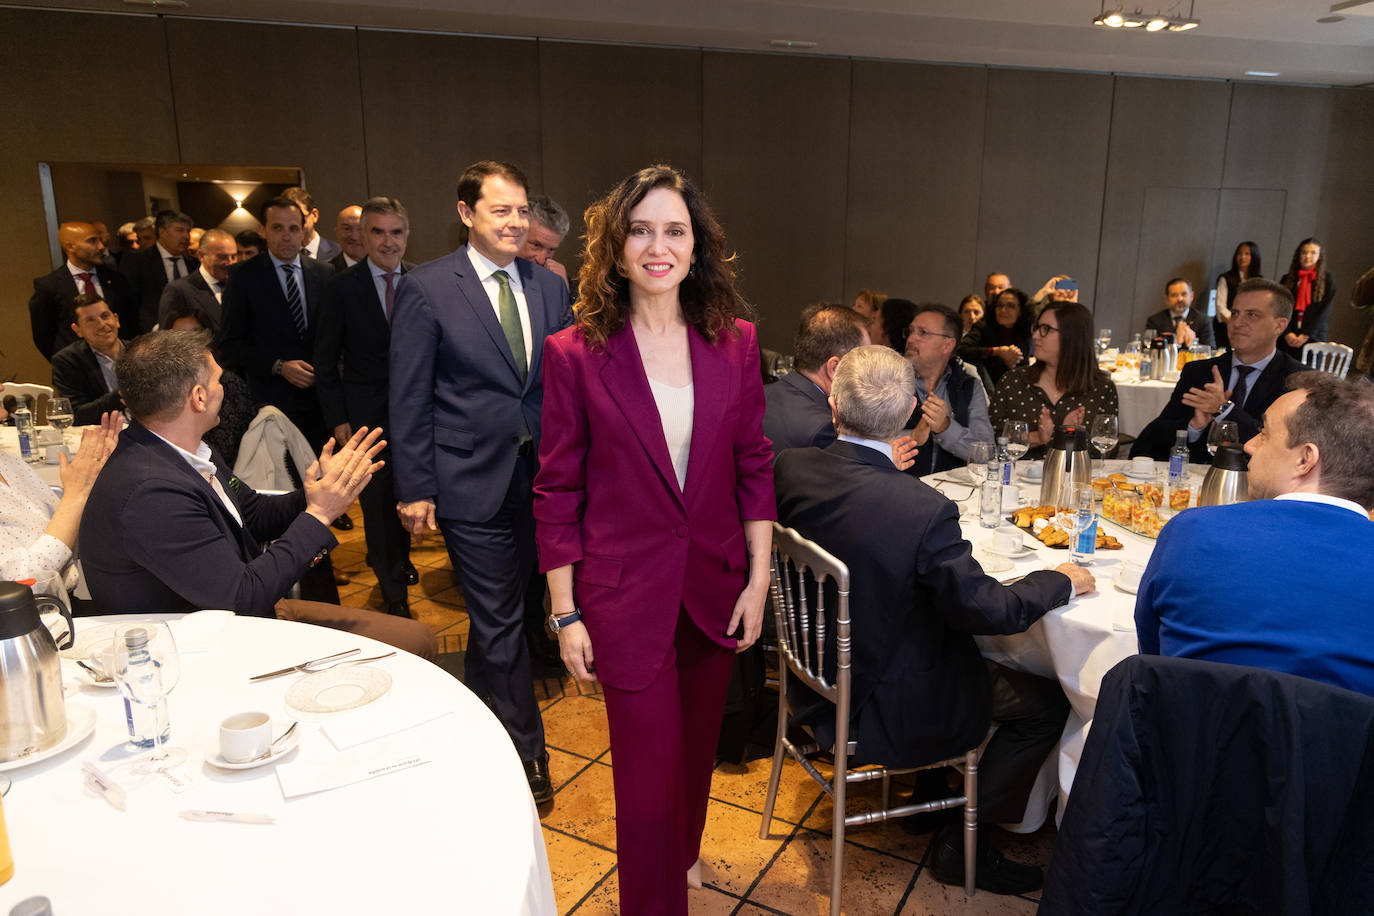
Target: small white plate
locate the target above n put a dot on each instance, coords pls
(74, 673)
(992, 563)
(961, 475)
(212, 755)
(80, 723)
(1143, 477)
(345, 687)
(89, 638)
(1124, 587)
(1017, 555)
(1036, 479)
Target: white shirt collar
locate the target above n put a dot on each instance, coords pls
(210, 281)
(278, 262)
(1326, 500)
(1259, 364)
(485, 267)
(312, 246)
(74, 270)
(200, 461)
(877, 445)
(379, 272)
(167, 254)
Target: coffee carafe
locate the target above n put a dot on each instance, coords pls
(1227, 480)
(33, 714)
(1068, 455)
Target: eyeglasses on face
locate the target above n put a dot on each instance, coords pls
(922, 333)
(1045, 330)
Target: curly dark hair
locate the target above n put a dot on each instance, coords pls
(709, 300)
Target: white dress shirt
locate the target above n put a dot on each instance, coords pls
(95, 279)
(300, 282)
(312, 247)
(1327, 500)
(167, 258)
(485, 269)
(216, 287)
(379, 281)
(200, 462)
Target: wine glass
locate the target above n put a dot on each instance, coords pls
(1104, 435)
(1223, 432)
(1104, 340)
(60, 416)
(145, 665)
(979, 454)
(1018, 440)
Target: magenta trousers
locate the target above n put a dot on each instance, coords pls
(663, 749)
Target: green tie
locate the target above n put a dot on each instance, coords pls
(510, 322)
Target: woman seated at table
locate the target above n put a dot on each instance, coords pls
(1002, 340)
(970, 310)
(37, 529)
(1063, 387)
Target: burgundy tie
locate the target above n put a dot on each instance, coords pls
(390, 294)
(87, 287)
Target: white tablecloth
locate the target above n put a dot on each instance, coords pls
(1140, 402)
(48, 473)
(1076, 644)
(459, 833)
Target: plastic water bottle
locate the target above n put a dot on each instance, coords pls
(23, 424)
(1146, 365)
(990, 502)
(1004, 462)
(1083, 543)
(1178, 461)
(145, 720)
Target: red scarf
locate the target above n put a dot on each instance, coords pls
(1305, 280)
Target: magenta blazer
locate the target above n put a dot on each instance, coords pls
(607, 501)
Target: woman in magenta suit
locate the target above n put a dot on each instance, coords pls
(653, 506)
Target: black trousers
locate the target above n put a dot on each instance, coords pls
(1030, 712)
(495, 560)
(388, 544)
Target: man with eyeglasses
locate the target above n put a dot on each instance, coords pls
(953, 411)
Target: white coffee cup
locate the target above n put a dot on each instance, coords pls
(244, 736)
(1011, 498)
(1034, 470)
(52, 454)
(1007, 540)
(1142, 466)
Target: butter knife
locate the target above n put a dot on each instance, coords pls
(288, 670)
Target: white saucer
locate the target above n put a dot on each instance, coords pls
(73, 672)
(1149, 476)
(80, 723)
(993, 563)
(337, 689)
(1036, 479)
(88, 638)
(1122, 587)
(212, 755)
(961, 476)
(1018, 555)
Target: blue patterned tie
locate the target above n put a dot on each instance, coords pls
(293, 298)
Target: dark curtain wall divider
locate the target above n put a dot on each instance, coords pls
(829, 174)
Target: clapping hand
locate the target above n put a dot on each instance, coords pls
(334, 481)
(78, 475)
(1207, 400)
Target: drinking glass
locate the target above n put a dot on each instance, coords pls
(145, 665)
(979, 454)
(1147, 336)
(60, 416)
(1223, 432)
(1104, 435)
(1018, 440)
(1104, 339)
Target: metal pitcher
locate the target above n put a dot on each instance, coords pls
(1068, 455)
(33, 714)
(1227, 480)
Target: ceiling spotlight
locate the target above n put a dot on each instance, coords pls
(1119, 18)
(1114, 21)
(1155, 24)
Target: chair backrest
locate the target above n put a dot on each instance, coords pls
(31, 393)
(810, 587)
(1328, 357)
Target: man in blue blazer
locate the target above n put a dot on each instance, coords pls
(798, 413)
(1312, 484)
(467, 343)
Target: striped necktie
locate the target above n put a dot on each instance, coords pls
(293, 298)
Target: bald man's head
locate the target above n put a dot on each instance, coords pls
(218, 253)
(82, 245)
(348, 231)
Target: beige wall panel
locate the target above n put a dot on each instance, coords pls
(915, 165)
(433, 105)
(775, 159)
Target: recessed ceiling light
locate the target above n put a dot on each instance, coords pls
(1330, 19)
(1260, 73)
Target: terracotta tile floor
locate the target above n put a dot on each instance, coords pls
(788, 872)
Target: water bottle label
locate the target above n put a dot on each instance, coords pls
(25, 447)
(1086, 542)
(1178, 467)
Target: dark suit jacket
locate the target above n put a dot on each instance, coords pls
(1315, 319)
(193, 291)
(339, 264)
(257, 330)
(1157, 438)
(156, 539)
(458, 405)
(607, 500)
(921, 691)
(797, 414)
(1162, 322)
(50, 307)
(76, 375)
(352, 350)
(147, 276)
(328, 250)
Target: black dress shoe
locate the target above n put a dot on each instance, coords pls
(343, 523)
(995, 873)
(400, 607)
(537, 772)
(410, 575)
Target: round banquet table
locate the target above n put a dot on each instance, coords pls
(456, 833)
(1140, 402)
(1075, 644)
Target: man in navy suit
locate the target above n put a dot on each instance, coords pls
(50, 308)
(1179, 318)
(84, 371)
(352, 348)
(1311, 489)
(1239, 385)
(798, 410)
(467, 344)
(270, 312)
(313, 244)
(203, 289)
(150, 269)
(921, 691)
